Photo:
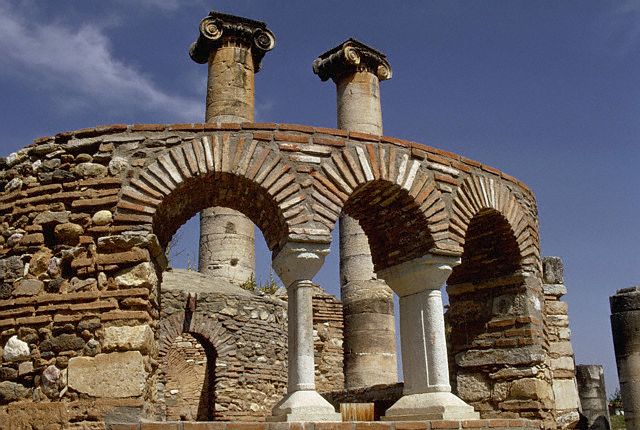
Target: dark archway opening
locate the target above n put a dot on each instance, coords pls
(491, 308)
(189, 369)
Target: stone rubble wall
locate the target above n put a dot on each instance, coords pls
(252, 375)
(561, 358)
(250, 381)
(328, 332)
(85, 215)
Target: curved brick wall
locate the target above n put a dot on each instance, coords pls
(84, 216)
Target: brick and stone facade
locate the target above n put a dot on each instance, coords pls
(95, 330)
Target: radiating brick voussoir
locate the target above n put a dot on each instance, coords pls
(478, 193)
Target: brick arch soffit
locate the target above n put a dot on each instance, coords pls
(203, 326)
(222, 153)
(358, 167)
(477, 193)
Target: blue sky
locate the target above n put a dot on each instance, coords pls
(546, 91)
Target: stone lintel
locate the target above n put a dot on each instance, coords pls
(350, 57)
(218, 28)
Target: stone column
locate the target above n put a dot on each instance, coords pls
(625, 325)
(369, 332)
(296, 264)
(427, 393)
(593, 396)
(233, 47)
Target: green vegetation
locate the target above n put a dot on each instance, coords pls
(268, 288)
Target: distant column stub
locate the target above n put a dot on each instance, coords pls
(350, 57)
(218, 28)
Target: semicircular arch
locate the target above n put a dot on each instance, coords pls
(223, 169)
(477, 194)
(392, 195)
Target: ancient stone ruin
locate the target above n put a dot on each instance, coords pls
(95, 330)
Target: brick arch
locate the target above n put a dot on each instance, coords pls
(476, 195)
(203, 326)
(393, 196)
(224, 169)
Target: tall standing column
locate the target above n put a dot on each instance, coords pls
(625, 327)
(233, 48)
(296, 264)
(427, 393)
(369, 332)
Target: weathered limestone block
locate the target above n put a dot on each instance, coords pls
(474, 387)
(28, 287)
(566, 394)
(68, 233)
(118, 374)
(531, 389)
(90, 170)
(139, 338)
(593, 395)
(553, 270)
(141, 275)
(15, 349)
(12, 391)
(50, 217)
(103, 217)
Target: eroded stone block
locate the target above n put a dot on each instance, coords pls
(118, 374)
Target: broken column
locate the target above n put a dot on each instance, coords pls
(233, 47)
(562, 362)
(625, 327)
(369, 326)
(593, 396)
(427, 392)
(296, 264)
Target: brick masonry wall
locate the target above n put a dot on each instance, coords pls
(84, 217)
(246, 335)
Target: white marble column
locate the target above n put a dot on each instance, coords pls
(427, 393)
(296, 264)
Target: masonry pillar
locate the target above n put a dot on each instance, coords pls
(625, 325)
(427, 393)
(593, 396)
(296, 264)
(233, 48)
(369, 332)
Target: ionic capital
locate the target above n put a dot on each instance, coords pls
(219, 28)
(349, 57)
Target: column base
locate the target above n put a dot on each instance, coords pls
(304, 406)
(430, 406)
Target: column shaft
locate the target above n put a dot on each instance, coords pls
(625, 326)
(300, 342)
(425, 353)
(427, 393)
(368, 301)
(227, 238)
(359, 106)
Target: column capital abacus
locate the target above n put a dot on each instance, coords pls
(298, 261)
(350, 57)
(218, 28)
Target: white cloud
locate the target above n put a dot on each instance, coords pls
(79, 65)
